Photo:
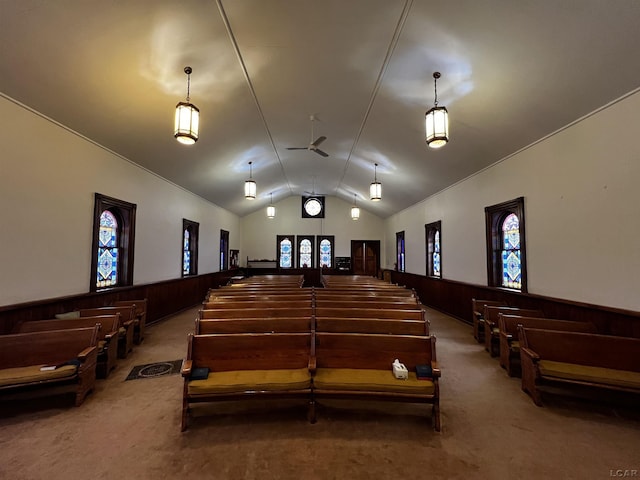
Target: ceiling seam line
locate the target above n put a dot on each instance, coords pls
(392, 46)
(243, 67)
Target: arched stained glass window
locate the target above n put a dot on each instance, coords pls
(305, 253)
(285, 253)
(436, 254)
(186, 253)
(325, 253)
(107, 250)
(511, 264)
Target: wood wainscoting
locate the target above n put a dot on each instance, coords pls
(454, 298)
(164, 298)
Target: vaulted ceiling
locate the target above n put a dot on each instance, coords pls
(512, 73)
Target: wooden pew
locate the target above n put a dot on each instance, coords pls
(368, 303)
(260, 304)
(477, 307)
(491, 328)
(22, 355)
(358, 366)
(244, 366)
(402, 314)
(372, 325)
(254, 325)
(510, 344)
(304, 296)
(270, 312)
(140, 321)
(551, 357)
(125, 331)
(107, 356)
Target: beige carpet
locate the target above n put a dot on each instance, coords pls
(491, 429)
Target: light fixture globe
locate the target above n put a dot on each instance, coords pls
(437, 121)
(271, 209)
(355, 210)
(250, 187)
(375, 189)
(187, 120)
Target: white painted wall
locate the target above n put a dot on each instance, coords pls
(582, 212)
(48, 177)
(259, 232)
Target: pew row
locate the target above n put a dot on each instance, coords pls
(107, 356)
(390, 326)
(140, 320)
(492, 329)
(358, 366)
(398, 313)
(552, 357)
(510, 344)
(72, 352)
(477, 308)
(241, 366)
(126, 328)
(265, 312)
(254, 325)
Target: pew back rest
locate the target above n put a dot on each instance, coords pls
(509, 324)
(583, 348)
(367, 303)
(372, 325)
(259, 304)
(283, 299)
(108, 324)
(250, 351)
(139, 304)
(329, 296)
(491, 312)
(399, 313)
(256, 312)
(253, 325)
(372, 351)
(477, 305)
(127, 313)
(50, 347)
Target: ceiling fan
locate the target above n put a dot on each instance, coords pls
(313, 146)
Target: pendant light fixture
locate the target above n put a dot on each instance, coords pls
(271, 209)
(250, 187)
(355, 210)
(187, 117)
(375, 190)
(437, 121)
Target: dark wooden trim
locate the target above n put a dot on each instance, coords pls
(194, 234)
(454, 298)
(164, 298)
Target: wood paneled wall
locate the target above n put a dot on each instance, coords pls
(164, 298)
(454, 298)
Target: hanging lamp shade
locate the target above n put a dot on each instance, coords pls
(375, 189)
(250, 187)
(187, 119)
(437, 121)
(355, 210)
(271, 209)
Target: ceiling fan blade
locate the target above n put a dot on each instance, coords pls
(297, 148)
(319, 141)
(320, 152)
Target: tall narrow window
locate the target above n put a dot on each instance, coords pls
(506, 253)
(400, 251)
(434, 249)
(305, 251)
(224, 250)
(113, 243)
(189, 247)
(325, 251)
(286, 251)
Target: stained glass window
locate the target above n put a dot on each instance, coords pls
(400, 251)
(305, 253)
(436, 254)
(186, 253)
(107, 251)
(325, 253)
(511, 265)
(285, 253)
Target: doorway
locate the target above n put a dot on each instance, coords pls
(365, 257)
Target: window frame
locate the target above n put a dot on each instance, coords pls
(312, 239)
(125, 214)
(494, 217)
(401, 257)
(332, 241)
(430, 230)
(194, 230)
(279, 239)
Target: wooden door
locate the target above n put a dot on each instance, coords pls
(365, 257)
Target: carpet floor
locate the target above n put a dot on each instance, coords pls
(490, 428)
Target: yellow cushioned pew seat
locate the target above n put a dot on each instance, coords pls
(32, 373)
(354, 379)
(585, 373)
(251, 380)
